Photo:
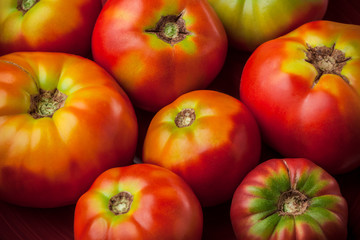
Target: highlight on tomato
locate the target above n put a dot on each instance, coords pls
(250, 23)
(303, 89)
(158, 50)
(208, 138)
(63, 121)
(43, 25)
(140, 201)
(289, 199)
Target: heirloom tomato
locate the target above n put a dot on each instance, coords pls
(141, 201)
(208, 138)
(63, 121)
(289, 199)
(47, 25)
(158, 50)
(249, 23)
(303, 89)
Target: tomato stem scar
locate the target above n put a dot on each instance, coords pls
(170, 29)
(292, 203)
(326, 60)
(185, 118)
(121, 203)
(26, 5)
(46, 103)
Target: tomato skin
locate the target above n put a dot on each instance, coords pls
(51, 161)
(160, 72)
(255, 209)
(163, 207)
(56, 26)
(250, 23)
(214, 153)
(297, 116)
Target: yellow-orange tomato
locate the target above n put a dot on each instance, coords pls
(63, 120)
(208, 138)
(47, 25)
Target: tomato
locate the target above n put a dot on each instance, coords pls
(289, 199)
(208, 138)
(158, 50)
(303, 89)
(47, 25)
(249, 23)
(141, 201)
(63, 121)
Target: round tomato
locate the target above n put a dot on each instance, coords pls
(158, 50)
(249, 23)
(63, 120)
(208, 138)
(303, 89)
(140, 201)
(47, 25)
(289, 199)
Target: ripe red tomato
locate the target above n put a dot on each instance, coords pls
(140, 201)
(208, 138)
(63, 121)
(303, 89)
(158, 50)
(250, 23)
(57, 25)
(289, 199)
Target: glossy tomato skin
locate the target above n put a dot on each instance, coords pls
(250, 23)
(163, 206)
(212, 154)
(152, 71)
(301, 112)
(50, 161)
(257, 214)
(56, 26)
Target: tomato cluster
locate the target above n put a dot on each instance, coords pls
(125, 110)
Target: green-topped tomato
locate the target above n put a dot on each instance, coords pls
(289, 199)
(137, 202)
(249, 23)
(158, 50)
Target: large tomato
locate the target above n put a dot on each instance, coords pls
(249, 23)
(63, 120)
(208, 138)
(47, 25)
(158, 50)
(289, 199)
(303, 89)
(140, 201)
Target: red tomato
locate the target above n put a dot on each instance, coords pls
(158, 50)
(47, 25)
(289, 199)
(208, 138)
(303, 89)
(140, 201)
(63, 121)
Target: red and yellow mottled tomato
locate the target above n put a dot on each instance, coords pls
(289, 199)
(63, 121)
(249, 23)
(208, 138)
(47, 25)
(303, 89)
(140, 201)
(158, 50)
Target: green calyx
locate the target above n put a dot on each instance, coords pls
(46, 103)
